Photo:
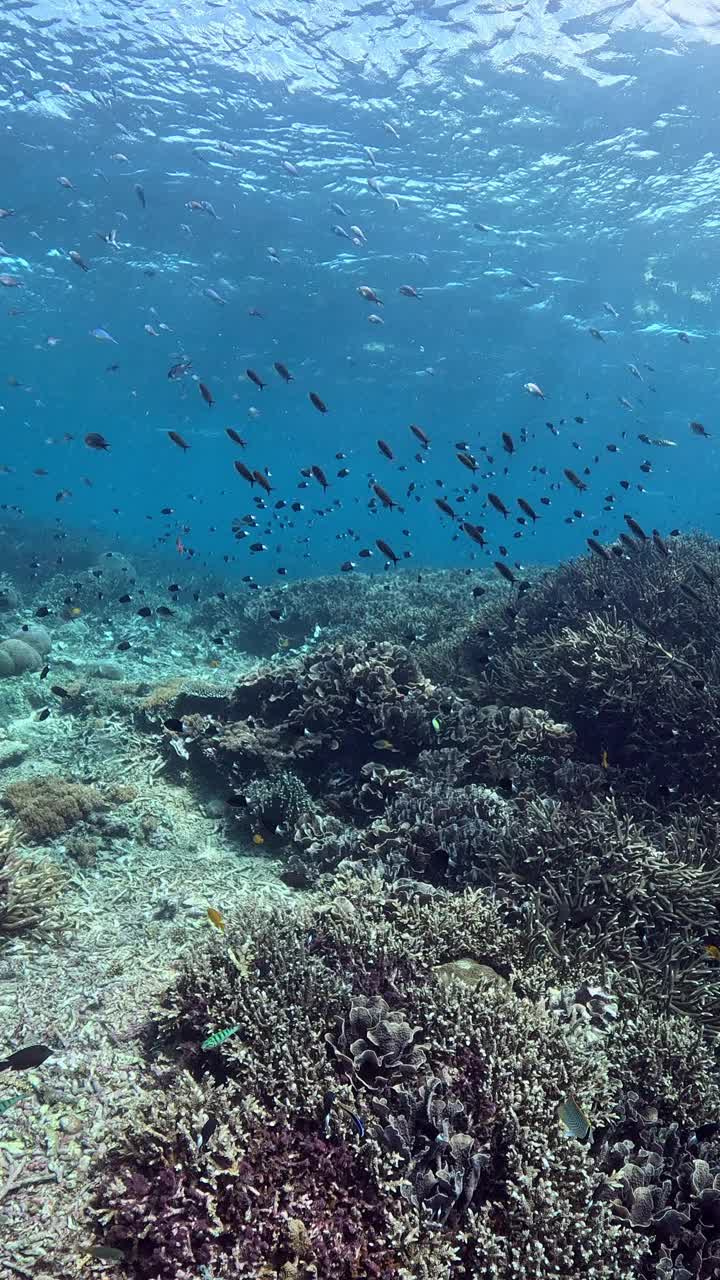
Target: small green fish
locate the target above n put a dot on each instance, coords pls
(574, 1120)
(7, 1103)
(219, 1037)
(436, 724)
(105, 1253)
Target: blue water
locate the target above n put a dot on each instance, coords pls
(584, 141)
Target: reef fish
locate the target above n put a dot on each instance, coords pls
(215, 918)
(25, 1059)
(574, 1120)
(219, 1037)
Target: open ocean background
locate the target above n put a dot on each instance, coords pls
(584, 137)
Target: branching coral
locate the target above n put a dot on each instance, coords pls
(453, 1041)
(28, 888)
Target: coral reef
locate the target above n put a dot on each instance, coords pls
(47, 806)
(28, 888)
(400, 610)
(389, 1101)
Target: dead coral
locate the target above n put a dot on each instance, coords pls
(28, 888)
(47, 806)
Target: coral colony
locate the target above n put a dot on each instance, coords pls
(476, 1037)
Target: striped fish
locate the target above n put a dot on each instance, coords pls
(574, 1120)
(219, 1037)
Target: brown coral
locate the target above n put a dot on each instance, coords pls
(47, 806)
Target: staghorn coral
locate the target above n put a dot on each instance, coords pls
(47, 806)
(28, 888)
(400, 609)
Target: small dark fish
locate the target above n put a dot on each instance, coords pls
(126, 599)
(385, 449)
(386, 550)
(319, 475)
(164, 612)
(256, 379)
(177, 370)
(43, 714)
(319, 404)
(508, 442)
(178, 440)
(598, 549)
(474, 531)
(262, 480)
(347, 566)
(236, 439)
(42, 612)
(284, 372)
(244, 471)
(420, 434)
(59, 692)
(525, 506)
(467, 461)
(660, 546)
(207, 1131)
(384, 496)
(123, 646)
(45, 671)
(504, 571)
(139, 192)
(445, 507)
(699, 430)
(206, 394)
(478, 591)
(636, 529)
(94, 440)
(145, 611)
(498, 504)
(574, 479)
(25, 1059)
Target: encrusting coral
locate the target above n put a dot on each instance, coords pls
(388, 1104)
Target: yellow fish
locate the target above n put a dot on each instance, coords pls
(384, 744)
(215, 918)
(712, 952)
(604, 760)
(258, 839)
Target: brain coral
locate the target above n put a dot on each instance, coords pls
(24, 650)
(36, 636)
(22, 657)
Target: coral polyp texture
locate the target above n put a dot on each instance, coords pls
(391, 1103)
